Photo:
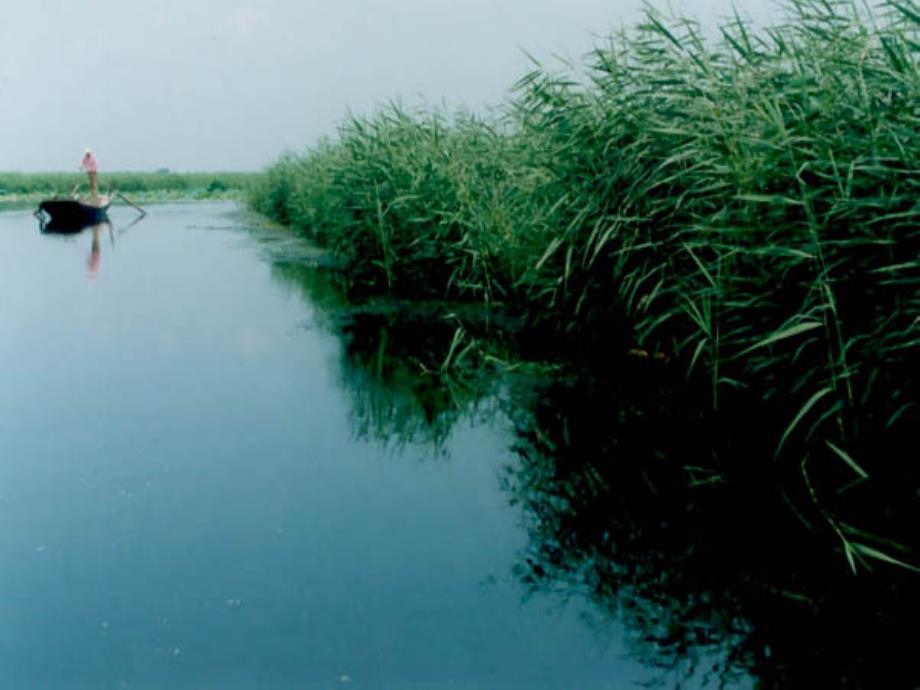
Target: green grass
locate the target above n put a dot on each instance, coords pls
(19, 190)
(746, 205)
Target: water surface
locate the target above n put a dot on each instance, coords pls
(189, 499)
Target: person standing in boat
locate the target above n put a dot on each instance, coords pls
(91, 167)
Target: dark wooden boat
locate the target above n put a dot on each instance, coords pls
(71, 215)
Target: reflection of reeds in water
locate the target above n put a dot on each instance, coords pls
(406, 406)
(661, 512)
(410, 376)
(412, 379)
(695, 551)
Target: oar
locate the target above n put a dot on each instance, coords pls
(131, 203)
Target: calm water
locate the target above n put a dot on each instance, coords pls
(215, 472)
(190, 496)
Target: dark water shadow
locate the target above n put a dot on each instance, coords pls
(624, 511)
(391, 364)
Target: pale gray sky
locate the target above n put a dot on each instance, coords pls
(230, 84)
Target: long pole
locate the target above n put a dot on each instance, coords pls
(131, 203)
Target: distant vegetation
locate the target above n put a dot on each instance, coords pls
(23, 189)
(745, 206)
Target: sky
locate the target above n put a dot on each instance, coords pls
(231, 84)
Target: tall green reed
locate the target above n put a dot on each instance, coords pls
(416, 204)
(746, 205)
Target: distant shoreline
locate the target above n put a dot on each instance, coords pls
(24, 190)
(20, 202)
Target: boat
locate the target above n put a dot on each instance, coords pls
(73, 215)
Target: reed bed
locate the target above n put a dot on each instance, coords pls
(745, 205)
(62, 183)
(18, 190)
(417, 205)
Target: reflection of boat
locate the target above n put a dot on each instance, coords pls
(72, 215)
